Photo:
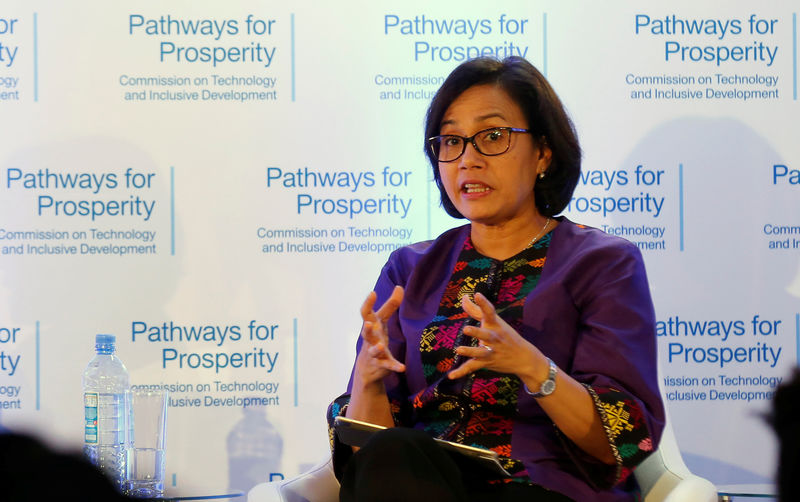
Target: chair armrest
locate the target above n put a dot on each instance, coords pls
(318, 484)
(693, 489)
(660, 483)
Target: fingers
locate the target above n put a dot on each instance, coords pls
(386, 310)
(375, 361)
(370, 334)
(391, 305)
(481, 334)
(373, 327)
(488, 313)
(480, 352)
(473, 310)
(373, 331)
(480, 357)
(482, 310)
(465, 369)
(366, 307)
(384, 358)
(387, 361)
(378, 352)
(490, 333)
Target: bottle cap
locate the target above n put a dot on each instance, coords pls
(105, 339)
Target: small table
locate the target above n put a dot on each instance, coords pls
(729, 493)
(223, 494)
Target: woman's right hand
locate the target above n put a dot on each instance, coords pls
(374, 360)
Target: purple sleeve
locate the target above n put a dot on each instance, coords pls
(615, 357)
(392, 274)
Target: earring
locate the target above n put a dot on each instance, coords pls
(541, 175)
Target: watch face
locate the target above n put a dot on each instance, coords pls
(548, 386)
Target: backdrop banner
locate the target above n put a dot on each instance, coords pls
(219, 185)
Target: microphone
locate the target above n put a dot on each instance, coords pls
(487, 288)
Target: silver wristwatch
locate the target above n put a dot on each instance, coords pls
(549, 385)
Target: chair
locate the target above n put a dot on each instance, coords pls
(663, 477)
(318, 484)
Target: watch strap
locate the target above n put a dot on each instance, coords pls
(549, 385)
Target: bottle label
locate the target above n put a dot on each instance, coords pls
(90, 416)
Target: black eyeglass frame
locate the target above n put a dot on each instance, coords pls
(471, 139)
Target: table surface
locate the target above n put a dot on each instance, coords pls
(752, 491)
(203, 495)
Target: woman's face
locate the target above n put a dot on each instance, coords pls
(497, 189)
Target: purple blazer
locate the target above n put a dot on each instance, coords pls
(591, 313)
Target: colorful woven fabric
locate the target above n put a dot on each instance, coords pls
(625, 427)
(476, 410)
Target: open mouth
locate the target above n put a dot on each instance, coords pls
(470, 188)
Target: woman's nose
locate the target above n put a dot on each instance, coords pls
(471, 157)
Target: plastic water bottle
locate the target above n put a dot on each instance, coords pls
(106, 391)
(254, 450)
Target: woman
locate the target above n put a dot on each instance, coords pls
(520, 332)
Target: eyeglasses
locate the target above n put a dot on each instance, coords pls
(489, 142)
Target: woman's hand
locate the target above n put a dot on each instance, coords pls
(374, 360)
(368, 400)
(500, 347)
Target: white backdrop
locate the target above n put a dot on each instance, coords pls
(219, 185)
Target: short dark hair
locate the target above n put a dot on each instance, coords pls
(545, 115)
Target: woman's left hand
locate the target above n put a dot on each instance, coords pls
(500, 347)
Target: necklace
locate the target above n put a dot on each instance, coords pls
(541, 233)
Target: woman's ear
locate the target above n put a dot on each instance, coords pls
(545, 157)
